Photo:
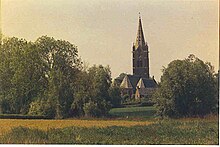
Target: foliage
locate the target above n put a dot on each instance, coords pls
(91, 109)
(63, 66)
(115, 96)
(21, 75)
(46, 77)
(163, 132)
(187, 88)
(42, 107)
(92, 97)
(32, 70)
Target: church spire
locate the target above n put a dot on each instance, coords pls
(140, 54)
(140, 35)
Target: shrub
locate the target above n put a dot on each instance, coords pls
(91, 109)
(42, 107)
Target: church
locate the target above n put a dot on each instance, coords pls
(140, 84)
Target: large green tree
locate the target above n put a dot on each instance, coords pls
(42, 72)
(187, 88)
(62, 68)
(21, 75)
(92, 97)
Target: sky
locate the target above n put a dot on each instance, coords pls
(104, 30)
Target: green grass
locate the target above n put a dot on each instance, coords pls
(163, 132)
(134, 112)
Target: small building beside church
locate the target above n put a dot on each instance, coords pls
(140, 83)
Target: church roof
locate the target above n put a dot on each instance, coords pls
(140, 35)
(126, 83)
(149, 83)
(141, 84)
(132, 81)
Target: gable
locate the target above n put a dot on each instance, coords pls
(126, 83)
(140, 83)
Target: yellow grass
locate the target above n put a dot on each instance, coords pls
(7, 124)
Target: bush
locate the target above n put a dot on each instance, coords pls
(42, 107)
(91, 109)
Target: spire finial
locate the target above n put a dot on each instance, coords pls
(139, 15)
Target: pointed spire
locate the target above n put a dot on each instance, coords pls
(140, 35)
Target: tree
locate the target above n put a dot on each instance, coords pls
(62, 68)
(21, 74)
(187, 88)
(92, 97)
(35, 72)
(115, 96)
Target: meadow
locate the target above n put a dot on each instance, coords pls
(134, 125)
(140, 113)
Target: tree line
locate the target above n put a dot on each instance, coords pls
(47, 77)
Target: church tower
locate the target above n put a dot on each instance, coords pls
(140, 54)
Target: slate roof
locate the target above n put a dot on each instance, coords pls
(132, 80)
(149, 83)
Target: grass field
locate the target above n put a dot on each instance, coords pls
(134, 112)
(7, 124)
(135, 125)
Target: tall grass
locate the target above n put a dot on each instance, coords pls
(7, 124)
(162, 132)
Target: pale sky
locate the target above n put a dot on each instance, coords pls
(104, 30)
